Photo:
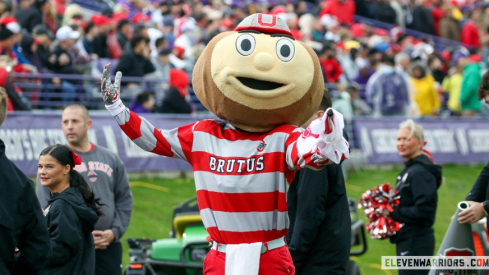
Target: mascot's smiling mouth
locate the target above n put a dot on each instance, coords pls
(259, 84)
(258, 88)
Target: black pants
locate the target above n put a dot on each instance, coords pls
(109, 261)
(416, 246)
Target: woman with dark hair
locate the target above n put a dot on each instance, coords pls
(71, 213)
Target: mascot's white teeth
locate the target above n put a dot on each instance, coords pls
(259, 84)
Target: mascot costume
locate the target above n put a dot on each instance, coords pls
(261, 83)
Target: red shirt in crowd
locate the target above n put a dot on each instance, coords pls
(332, 69)
(470, 35)
(343, 10)
(437, 14)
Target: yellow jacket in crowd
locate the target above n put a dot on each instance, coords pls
(452, 85)
(426, 95)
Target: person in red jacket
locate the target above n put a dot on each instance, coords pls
(470, 32)
(331, 67)
(343, 10)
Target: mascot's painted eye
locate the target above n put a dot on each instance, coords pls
(285, 50)
(245, 44)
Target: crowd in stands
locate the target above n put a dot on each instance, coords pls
(155, 44)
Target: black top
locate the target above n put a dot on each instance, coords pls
(29, 18)
(134, 65)
(417, 184)
(70, 224)
(22, 223)
(175, 103)
(320, 224)
(480, 190)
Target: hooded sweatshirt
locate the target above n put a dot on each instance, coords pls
(70, 224)
(417, 185)
(175, 100)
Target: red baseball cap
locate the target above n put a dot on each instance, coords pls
(264, 23)
(357, 30)
(100, 20)
(475, 58)
(140, 18)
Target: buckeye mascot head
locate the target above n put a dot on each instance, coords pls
(258, 76)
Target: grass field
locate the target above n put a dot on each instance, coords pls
(154, 199)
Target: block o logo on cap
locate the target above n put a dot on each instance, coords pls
(264, 23)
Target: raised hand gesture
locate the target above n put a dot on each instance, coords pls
(110, 92)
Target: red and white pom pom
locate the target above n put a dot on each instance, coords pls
(374, 202)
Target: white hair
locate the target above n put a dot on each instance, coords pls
(415, 128)
(401, 56)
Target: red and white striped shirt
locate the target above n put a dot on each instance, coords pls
(241, 178)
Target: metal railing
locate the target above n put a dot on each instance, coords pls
(84, 89)
(440, 43)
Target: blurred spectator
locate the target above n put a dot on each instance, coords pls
(143, 103)
(343, 10)
(83, 59)
(160, 44)
(46, 37)
(64, 62)
(397, 7)
(30, 13)
(140, 30)
(15, 99)
(163, 65)
(188, 38)
(331, 67)
(102, 49)
(7, 42)
(15, 51)
(387, 90)
(136, 63)
(115, 49)
(360, 107)
(29, 48)
(471, 78)
(452, 84)
(155, 35)
(88, 40)
(449, 25)
(72, 11)
(124, 32)
(384, 12)
(344, 57)
(422, 18)
(435, 66)
(342, 103)
(470, 33)
(177, 98)
(403, 67)
(50, 17)
(426, 95)
(292, 21)
(437, 13)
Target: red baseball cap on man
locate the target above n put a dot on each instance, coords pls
(100, 20)
(264, 23)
